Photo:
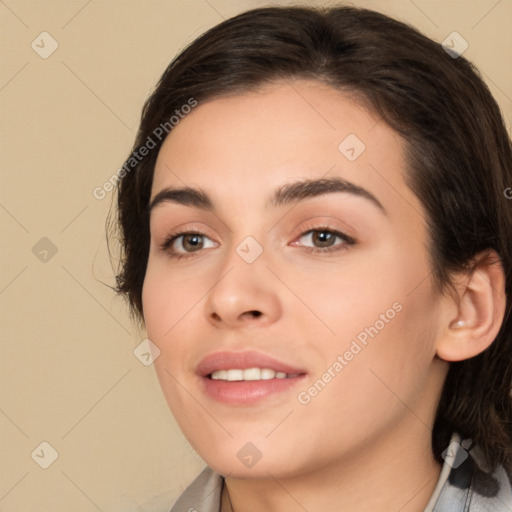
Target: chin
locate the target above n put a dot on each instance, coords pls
(252, 459)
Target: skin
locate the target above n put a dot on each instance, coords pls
(363, 442)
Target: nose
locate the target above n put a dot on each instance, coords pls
(245, 294)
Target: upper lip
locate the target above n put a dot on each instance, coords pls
(242, 360)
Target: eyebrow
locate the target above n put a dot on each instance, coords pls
(289, 193)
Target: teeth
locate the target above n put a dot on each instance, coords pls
(267, 374)
(250, 374)
(235, 375)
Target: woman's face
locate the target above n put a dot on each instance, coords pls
(307, 257)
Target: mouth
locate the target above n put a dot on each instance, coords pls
(244, 378)
(250, 374)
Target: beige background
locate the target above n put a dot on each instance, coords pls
(68, 375)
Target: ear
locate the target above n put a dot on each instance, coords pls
(473, 315)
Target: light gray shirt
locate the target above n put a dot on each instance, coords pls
(463, 486)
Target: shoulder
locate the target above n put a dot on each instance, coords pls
(203, 494)
(467, 485)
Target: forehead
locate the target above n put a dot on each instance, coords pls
(288, 130)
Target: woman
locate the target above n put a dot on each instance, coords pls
(316, 236)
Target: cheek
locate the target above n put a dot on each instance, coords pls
(167, 300)
(168, 306)
(374, 375)
(383, 332)
(165, 305)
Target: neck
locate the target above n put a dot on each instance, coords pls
(398, 473)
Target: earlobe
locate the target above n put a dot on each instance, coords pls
(474, 316)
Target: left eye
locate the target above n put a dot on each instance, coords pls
(319, 239)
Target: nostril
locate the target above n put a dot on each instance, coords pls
(253, 313)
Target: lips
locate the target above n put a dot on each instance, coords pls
(244, 361)
(226, 377)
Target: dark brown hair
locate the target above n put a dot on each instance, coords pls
(458, 151)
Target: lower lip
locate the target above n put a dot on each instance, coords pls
(247, 392)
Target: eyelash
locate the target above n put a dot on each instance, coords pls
(347, 241)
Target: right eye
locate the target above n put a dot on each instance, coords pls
(181, 244)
